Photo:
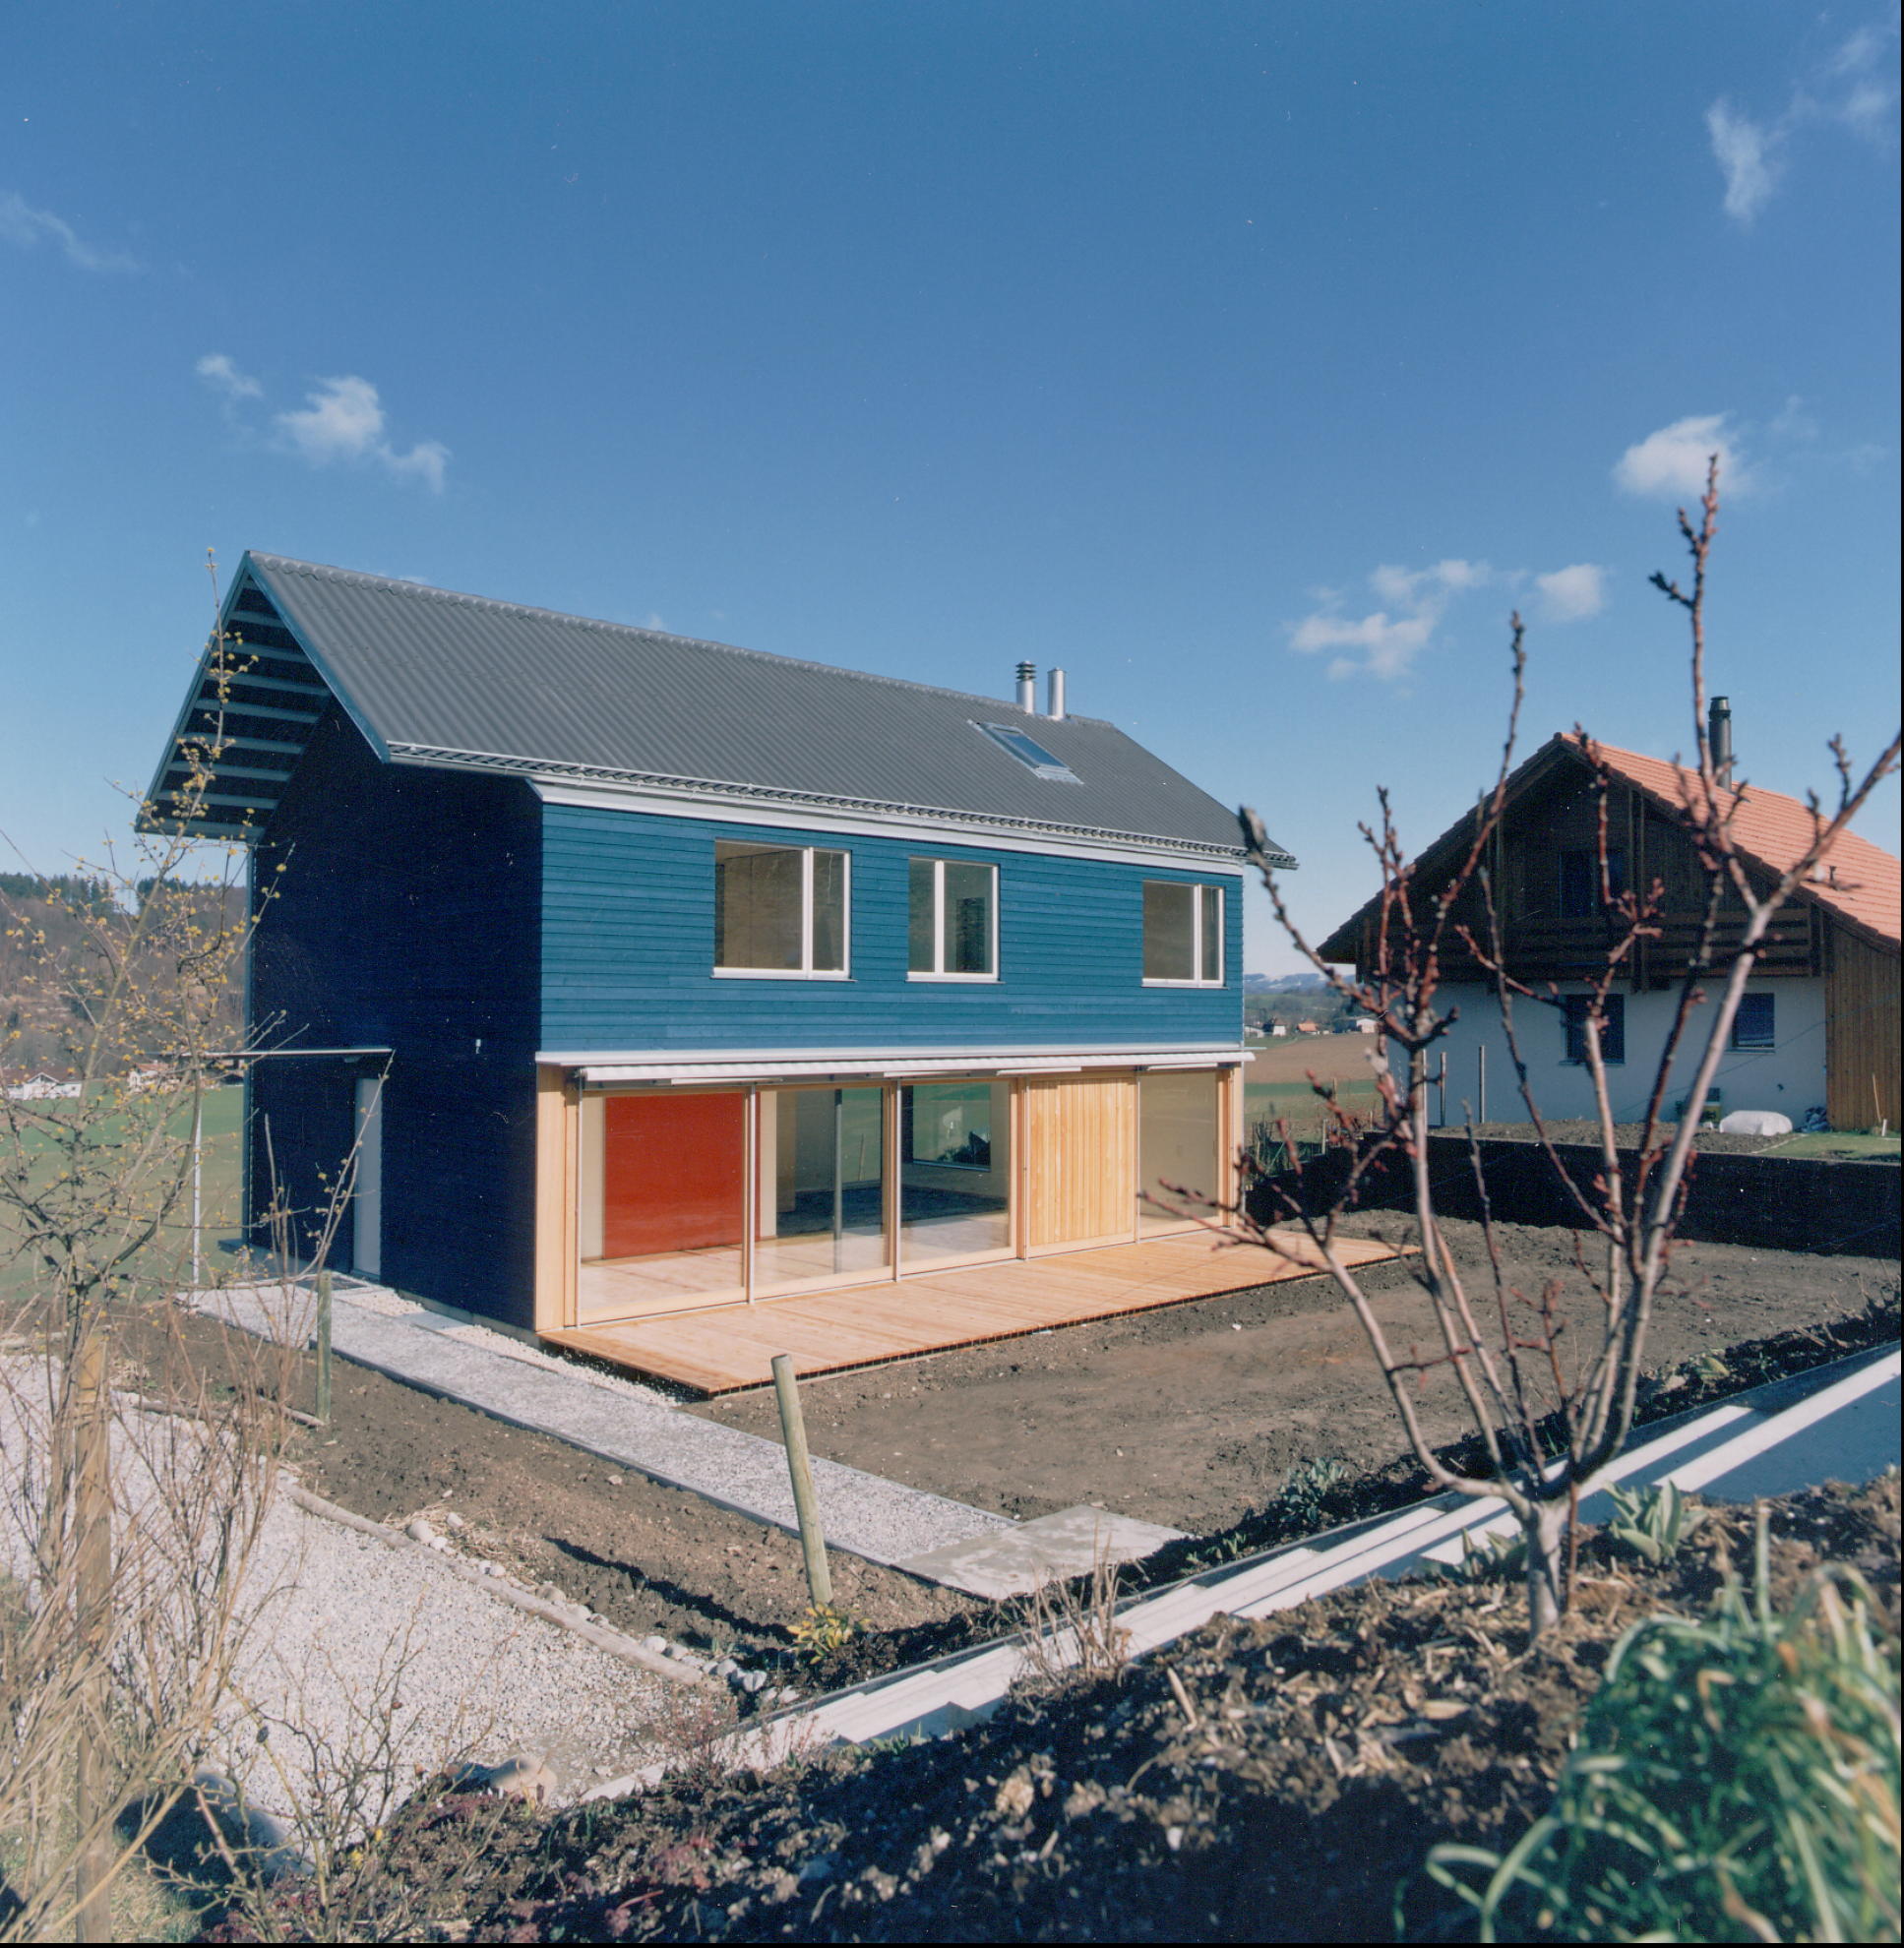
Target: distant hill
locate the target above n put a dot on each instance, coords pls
(1282, 984)
(45, 938)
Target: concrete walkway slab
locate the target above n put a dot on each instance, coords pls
(1014, 1561)
(632, 1425)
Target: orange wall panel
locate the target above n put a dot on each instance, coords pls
(673, 1172)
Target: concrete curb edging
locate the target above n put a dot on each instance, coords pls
(603, 1638)
(964, 1687)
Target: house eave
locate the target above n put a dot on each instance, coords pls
(685, 793)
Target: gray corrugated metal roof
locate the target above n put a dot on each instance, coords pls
(438, 677)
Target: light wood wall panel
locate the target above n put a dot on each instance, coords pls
(1080, 1159)
(557, 1145)
(1862, 1052)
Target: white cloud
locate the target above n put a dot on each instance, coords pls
(1747, 157)
(1388, 643)
(219, 371)
(1854, 88)
(1673, 461)
(24, 225)
(1866, 102)
(344, 421)
(1572, 594)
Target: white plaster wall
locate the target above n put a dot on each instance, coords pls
(1789, 1078)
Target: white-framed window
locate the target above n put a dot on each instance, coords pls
(782, 912)
(951, 920)
(1183, 934)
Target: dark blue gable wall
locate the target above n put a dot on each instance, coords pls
(627, 902)
(406, 914)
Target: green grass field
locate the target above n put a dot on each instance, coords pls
(1846, 1145)
(168, 1257)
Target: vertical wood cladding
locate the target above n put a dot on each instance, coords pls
(628, 943)
(405, 915)
(1862, 1052)
(1080, 1180)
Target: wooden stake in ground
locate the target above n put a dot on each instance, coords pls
(323, 1401)
(92, 1526)
(806, 1504)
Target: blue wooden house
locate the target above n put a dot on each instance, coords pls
(650, 974)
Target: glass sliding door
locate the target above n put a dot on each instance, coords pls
(660, 1225)
(1177, 1145)
(820, 1187)
(955, 1172)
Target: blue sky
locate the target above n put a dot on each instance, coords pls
(1250, 362)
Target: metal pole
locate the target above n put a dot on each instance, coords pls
(1480, 1063)
(324, 1347)
(1440, 1085)
(840, 1172)
(806, 1504)
(198, 1154)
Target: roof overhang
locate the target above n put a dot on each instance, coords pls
(740, 1067)
(256, 698)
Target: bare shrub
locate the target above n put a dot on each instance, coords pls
(128, 1521)
(1548, 1379)
(1068, 1631)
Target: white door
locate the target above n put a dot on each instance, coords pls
(367, 1228)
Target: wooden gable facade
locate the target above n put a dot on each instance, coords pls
(1552, 926)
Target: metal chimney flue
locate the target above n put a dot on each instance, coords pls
(1028, 689)
(1057, 693)
(1718, 736)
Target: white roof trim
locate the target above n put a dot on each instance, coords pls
(759, 805)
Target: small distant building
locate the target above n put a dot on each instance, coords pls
(1308, 1028)
(1279, 1028)
(42, 1089)
(1364, 1024)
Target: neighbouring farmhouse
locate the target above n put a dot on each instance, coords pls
(1818, 1025)
(653, 975)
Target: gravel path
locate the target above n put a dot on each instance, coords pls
(631, 1424)
(366, 1658)
(362, 1646)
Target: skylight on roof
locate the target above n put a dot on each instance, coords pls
(1030, 752)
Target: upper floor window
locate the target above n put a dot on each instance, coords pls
(1754, 1026)
(1613, 1028)
(1580, 882)
(951, 929)
(1183, 933)
(779, 909)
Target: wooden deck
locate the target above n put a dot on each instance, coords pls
(728, 1347)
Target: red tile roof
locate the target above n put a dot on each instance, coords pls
(1861, 884)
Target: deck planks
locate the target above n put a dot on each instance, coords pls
(722, 1349)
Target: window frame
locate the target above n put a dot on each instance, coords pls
(1585, 862)
(805, 971)
(1734, 1042)
(938, 971)
(1574, 1017)
(1047, 764)
(1198, 937)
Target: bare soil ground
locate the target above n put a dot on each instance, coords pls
(648, 1558)
(1256, 1782)
(1192, 1416)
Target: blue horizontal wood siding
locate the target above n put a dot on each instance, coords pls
(405, 916)
(628, 946)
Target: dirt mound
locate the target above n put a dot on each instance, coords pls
(1280, 1780)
